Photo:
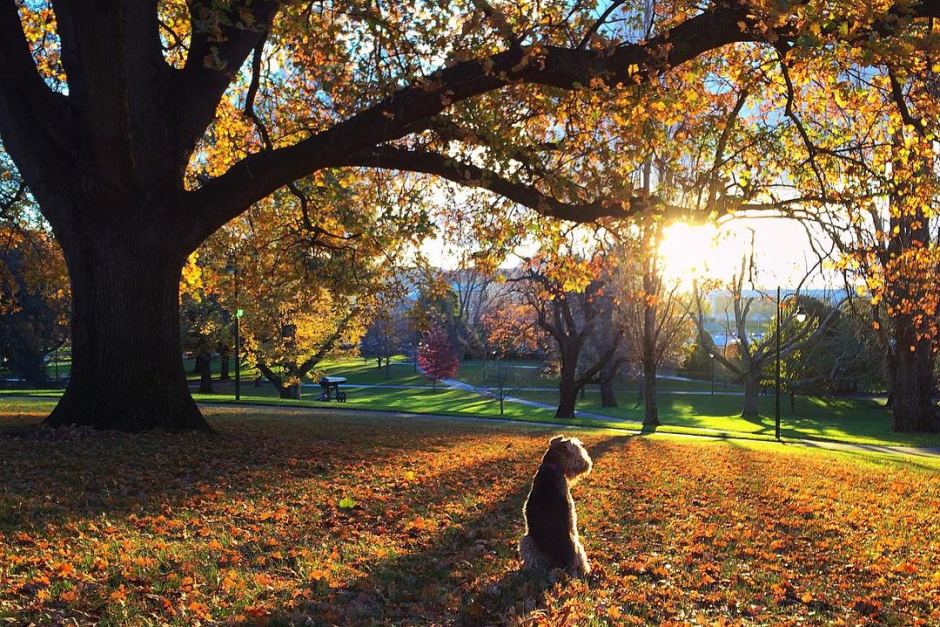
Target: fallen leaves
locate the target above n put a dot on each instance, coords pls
(415, 521)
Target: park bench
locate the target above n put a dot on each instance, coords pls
(331, 389)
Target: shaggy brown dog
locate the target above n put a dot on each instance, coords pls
(551, 538)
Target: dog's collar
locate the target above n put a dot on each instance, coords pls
(555, 467)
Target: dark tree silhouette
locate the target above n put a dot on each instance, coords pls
(106, 160)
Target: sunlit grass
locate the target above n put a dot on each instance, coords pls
(247, 525)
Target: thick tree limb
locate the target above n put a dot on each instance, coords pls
(390, 157)
(221, 42)
(258, 175)
(36, 124)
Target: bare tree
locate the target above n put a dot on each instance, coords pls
(756, 352)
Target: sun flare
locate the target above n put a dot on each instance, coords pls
(689, 251)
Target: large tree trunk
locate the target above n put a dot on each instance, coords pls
(912, 390)
(751, 409)
(650, 408)
(126, 368)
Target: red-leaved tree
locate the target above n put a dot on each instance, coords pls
(436, 356)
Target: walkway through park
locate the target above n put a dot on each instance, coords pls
(848, 447)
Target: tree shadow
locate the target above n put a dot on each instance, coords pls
(52, 478)
(447, 577)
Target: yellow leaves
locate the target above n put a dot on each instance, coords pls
(692, 539)
(191, 282)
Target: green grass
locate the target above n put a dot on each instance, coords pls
(422, 401)
(858, 421)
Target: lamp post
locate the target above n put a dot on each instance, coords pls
(711, 357)
(800, 317)
(238, 315)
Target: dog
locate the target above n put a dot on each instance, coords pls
(551, 536)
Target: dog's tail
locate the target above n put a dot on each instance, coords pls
(530, 554)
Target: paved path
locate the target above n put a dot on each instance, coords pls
(454, 384)
(326, 412)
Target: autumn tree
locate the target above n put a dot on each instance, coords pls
(436, 357)
(310, 283)
(654, 312)
(390, 333)
(33, 299)
(111, 113)
(567, 299)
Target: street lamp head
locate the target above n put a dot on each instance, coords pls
(800, 315)
(711, 355)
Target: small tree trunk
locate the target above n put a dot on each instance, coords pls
(223, 363)
(566, 402)
(388, 363)
(607, 393)
(205, 373)
(567, 392)
(913, 409)
(126, 368)
(290, 392)
(751, 409)
(650, 407)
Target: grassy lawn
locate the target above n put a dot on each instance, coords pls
(859, 421)
(685, 406)
(358, 520)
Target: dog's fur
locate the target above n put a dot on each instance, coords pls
(551, 538)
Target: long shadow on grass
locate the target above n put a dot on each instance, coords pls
(456, 575)
(49, 478)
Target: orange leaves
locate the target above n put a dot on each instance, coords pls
(704, 532)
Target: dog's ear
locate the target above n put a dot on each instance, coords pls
(556, 439)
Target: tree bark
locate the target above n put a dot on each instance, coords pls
(566, 402)
(912, 390)
(607, 393)
(650, 407)
(567, 391)
(751, 409)
(126, 368)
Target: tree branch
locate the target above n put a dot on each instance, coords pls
(222, 39)
(37, 125)
(394, 158)
(258, 175)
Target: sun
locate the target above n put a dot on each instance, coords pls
(689, 251)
